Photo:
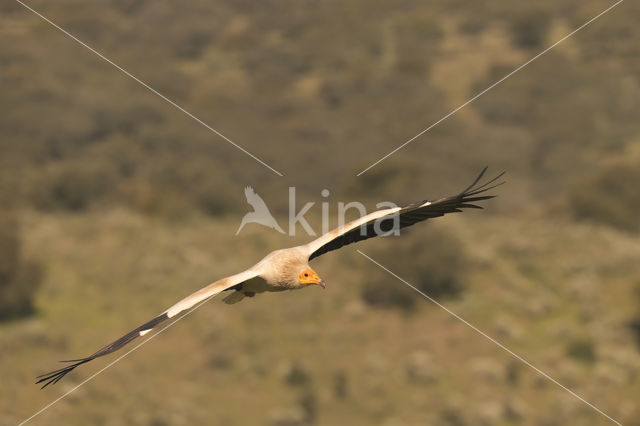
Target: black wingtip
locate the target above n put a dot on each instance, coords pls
(476, 180)
(54, 377)
(488, 185)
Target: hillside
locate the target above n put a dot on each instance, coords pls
(116, 204)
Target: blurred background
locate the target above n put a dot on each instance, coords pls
(115, 205)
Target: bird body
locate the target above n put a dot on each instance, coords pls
(288, 269)
(280, 268)
(277, 271)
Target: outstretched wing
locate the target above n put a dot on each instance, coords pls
(382, 221)
(186, 303)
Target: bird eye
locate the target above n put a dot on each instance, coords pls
(306, 275)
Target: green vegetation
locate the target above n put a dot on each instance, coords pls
(438, 273)
(634, 325)
(529, 29)
(114, 205)
(611, 197)
(582, 350)
(19, 277)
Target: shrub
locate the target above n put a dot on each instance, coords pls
(214, 199)
(433, 264)
(529, 29)
(297, 376)
(385, 294)
(341, 385)
(19, 279)
(582, 350)
(72, 189)
(634, 326)
(610, 197)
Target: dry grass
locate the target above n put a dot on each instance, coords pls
(128, 205)
(110, 272)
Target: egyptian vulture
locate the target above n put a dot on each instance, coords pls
(288, 269)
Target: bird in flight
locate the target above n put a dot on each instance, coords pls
(288, 269)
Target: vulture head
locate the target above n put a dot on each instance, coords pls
(310, 277)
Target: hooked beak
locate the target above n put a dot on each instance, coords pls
(322, 284)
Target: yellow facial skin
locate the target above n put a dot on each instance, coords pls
(309, 276)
